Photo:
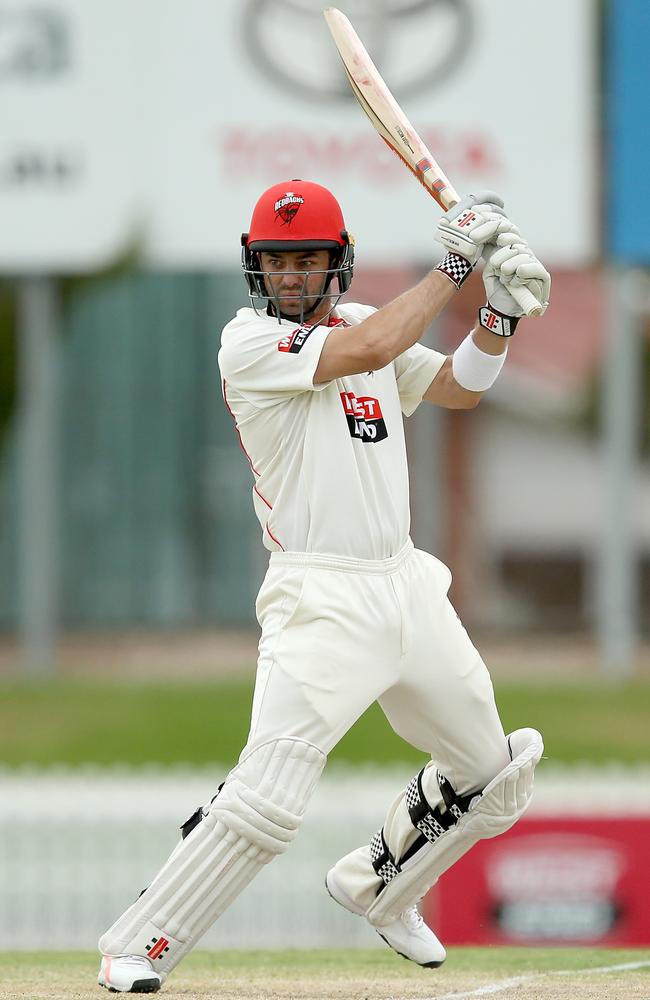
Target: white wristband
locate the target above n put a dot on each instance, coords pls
(474, 369)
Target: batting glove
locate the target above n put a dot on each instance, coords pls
(466, 227)
(514, 264)
(465, 230)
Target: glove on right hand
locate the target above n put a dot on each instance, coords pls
(475, 220)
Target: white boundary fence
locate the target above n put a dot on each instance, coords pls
(76, 846)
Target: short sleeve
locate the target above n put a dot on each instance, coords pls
(260, 356)
(415, 370)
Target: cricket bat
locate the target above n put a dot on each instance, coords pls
(395, 129)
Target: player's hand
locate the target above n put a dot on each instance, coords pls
(513, 264)
(472, 223)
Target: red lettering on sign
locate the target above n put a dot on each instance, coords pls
(274, 152)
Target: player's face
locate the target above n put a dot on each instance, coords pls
(296, 279)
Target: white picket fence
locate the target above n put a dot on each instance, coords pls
(77, 845)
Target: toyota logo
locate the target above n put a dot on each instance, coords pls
(414, 43)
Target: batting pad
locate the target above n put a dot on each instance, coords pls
(255, 817)
(493, 811)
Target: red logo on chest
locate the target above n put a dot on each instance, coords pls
(364, 417)
(361, 406)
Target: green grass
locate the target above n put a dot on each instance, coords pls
(76, 721)
(494, 961)
(78, 969)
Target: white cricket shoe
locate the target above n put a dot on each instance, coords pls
(409, 936)
(128, 974)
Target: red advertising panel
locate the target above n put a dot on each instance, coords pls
(580, 881)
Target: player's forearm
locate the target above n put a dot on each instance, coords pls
(488, 342)
(400, 324)
(446, 389)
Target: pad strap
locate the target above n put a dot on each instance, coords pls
(431, 823)
(383, 861)
(199, 813)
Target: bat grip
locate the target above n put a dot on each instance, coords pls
(526, 300)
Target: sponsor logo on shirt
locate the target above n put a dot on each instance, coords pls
(364, 417)
(295, 342)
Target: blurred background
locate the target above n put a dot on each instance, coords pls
(134, 141)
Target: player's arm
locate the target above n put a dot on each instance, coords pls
(446, 391)
(392, 330)
(378, 340)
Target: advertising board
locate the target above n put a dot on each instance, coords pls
(550, 880)
(159, 125)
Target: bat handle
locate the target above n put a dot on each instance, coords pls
(526, 300)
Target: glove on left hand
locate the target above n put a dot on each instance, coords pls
(514, 263)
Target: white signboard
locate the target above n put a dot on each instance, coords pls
(68, 179)
(163, 122)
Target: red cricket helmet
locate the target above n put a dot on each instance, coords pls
(297, 215)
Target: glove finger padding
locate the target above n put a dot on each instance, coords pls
(485, 230)
(509, 227)
(519, 258)
(533, 269)
(507, 234)
(532, 275)
(514, 265)
(499, 257)
(497, 293)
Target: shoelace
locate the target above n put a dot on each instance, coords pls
(412, 918)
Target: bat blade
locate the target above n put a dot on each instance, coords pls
(385, 113)
(395, 129)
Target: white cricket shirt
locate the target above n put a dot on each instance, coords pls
(328, 461)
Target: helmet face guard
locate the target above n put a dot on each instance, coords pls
(264, 300)
(297, 216)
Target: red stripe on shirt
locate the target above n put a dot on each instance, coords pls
(273, 536)
(250, 462)
(262, 498)
(234, 420)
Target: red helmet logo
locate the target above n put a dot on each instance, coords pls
(286, 208)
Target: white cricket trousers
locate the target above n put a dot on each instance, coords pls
(339, 634)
